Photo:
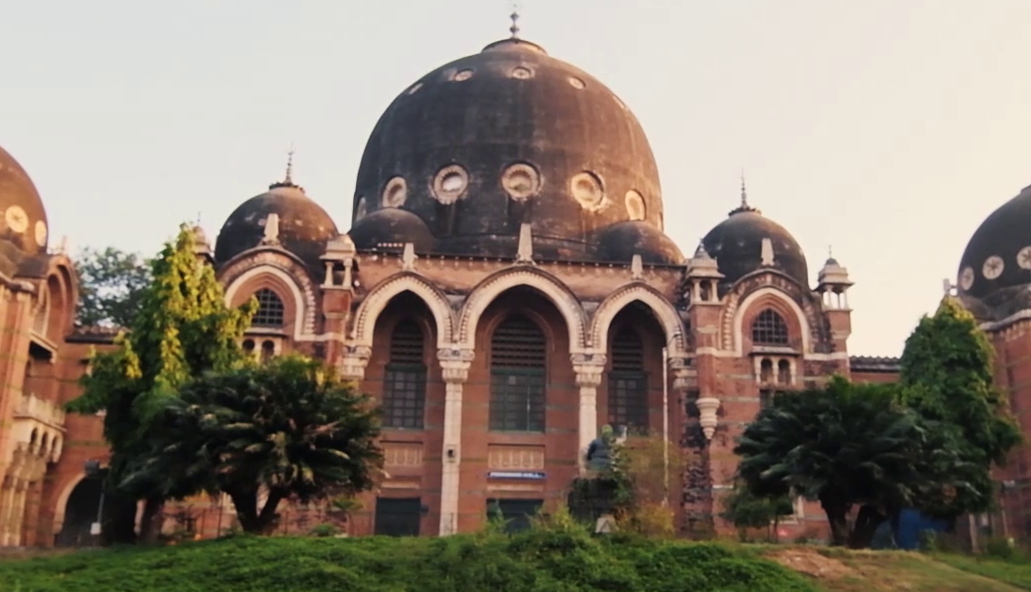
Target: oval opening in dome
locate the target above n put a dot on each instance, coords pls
(395, 193)
(587, 188)
(635, 208)
(462, 75)
(449, 184)
(521, 181)
(521, 73)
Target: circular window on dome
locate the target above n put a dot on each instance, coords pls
(449, 184)
(993, 267)
(41, 233)
(521, 181)
(522, 72)
(395, 193)
(576, 82)
(462, 75)
(966, 278)
(414, 88)
(16, 219)
(1024, 258)
(361, 210)
(587, 188)
(635, 207)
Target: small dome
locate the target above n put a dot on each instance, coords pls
(998, 256)
(508, 136)
(621, 241)
(23, 219)
(737, 245)
(392, 227)
(304, 227)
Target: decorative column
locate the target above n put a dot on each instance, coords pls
(454, 364)
(589, 368)
(354, 361)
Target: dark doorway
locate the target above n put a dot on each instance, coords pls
(398, 516)
(515, 512)
(80, 512)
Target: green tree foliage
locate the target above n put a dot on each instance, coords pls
(847, 446)
(746, 511)
(289, 429)
(182, 329)
(111, 286)
(946, 377)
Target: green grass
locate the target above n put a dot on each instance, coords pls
(537, 561)
(1015, 572)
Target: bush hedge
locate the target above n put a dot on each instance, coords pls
(535, 561)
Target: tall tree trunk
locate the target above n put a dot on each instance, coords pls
(837, 515)
(152, 520)
(118, 520)
(251, 520)
(867, 522)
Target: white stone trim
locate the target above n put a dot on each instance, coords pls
(637, 292)
(492, 287)
(380, 296)
(303, 330)
(743, 307)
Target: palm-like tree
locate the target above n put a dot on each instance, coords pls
(846, 446)
(286, 429)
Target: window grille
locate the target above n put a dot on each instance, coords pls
(398, 517)
(628, 383)
(518, 359)
(404, 392)
(270, 309)
(769, 328)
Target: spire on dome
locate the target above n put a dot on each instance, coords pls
(288, 177)
(744, 207)
(515, 20)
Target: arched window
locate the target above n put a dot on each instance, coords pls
(404, 389)
(268, 350)
(769, 328)
(628, 384)
(270, 309)
(784, 372)
(518, 356)
(39, 322)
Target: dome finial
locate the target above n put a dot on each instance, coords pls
(744, 207)
(288, 180)
(289, 165)
(515, 20)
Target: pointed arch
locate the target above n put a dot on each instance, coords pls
(298, 308)
(783, 304)
(489, 289)
(663, 309)
(374, 304)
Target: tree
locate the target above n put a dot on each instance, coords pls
(746, 510)
(846, 446)
(182, 329)
(286, 429)
(112, 283)
(946, 375)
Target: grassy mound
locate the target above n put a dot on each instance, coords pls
(537, 561)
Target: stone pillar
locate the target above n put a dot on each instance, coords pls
(353, 362)
(589, 369)
(454, 364)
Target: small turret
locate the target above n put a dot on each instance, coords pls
(832, 284)
(703, 276)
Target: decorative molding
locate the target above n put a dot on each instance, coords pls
(380, 296)
(295, 276)
(637, 292)
(492, 287)
(781, 287)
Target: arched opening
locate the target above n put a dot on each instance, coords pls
(403, 358)
(518, 367)
(784, 372)
(628, 383)
(766, 371)
(268, 350)
(769, 328)
(404, 388)
(80, 512)
(271, 311)
(39, 321)
(634, 380)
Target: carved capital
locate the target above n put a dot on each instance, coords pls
(684, 379)
(589, 368)
(454, 372)
(455, 354)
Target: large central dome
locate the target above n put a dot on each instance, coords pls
(507, 136)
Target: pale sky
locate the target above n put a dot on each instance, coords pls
(886, 128)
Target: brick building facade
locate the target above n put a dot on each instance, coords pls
(505, 290)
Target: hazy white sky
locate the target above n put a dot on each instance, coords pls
(886, 128)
